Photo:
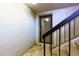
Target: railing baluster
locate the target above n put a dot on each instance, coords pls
(74, 27)
(64, 34)
(69, 39)
(44, 46)
(59, 40)
(51, 45)
(56, 38)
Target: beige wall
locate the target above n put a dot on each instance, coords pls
(17, 29)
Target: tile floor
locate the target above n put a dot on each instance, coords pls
(36, 50)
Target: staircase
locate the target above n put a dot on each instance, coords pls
(65, 48)
(69, 45)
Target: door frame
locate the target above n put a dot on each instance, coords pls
(41, 16)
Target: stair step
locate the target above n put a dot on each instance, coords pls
(74, 49)
(65, 48)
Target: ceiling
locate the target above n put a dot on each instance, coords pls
(43, 7)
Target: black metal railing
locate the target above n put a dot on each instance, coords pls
(58, 27)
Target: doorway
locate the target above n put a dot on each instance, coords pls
(45, 22)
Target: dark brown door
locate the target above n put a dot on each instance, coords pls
(45, 25)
